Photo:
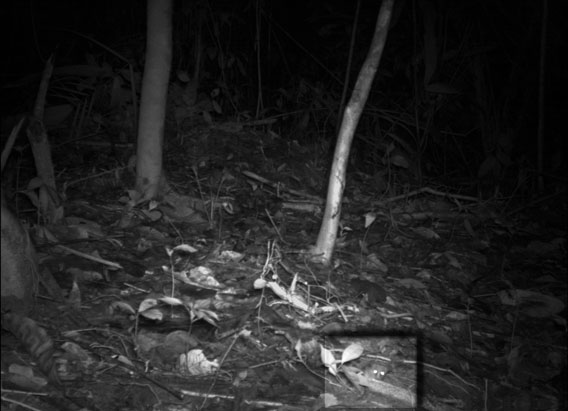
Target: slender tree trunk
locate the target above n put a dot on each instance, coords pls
(323, 250)
(154, 97)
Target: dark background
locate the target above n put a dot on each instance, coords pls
(487, 55)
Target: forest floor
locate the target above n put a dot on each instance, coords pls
(208, 297)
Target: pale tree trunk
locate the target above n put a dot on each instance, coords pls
(323, 250)
(154, 96)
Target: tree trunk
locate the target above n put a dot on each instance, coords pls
(154, 97)
(323, 250)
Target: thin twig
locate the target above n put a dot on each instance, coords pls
(90, 257)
